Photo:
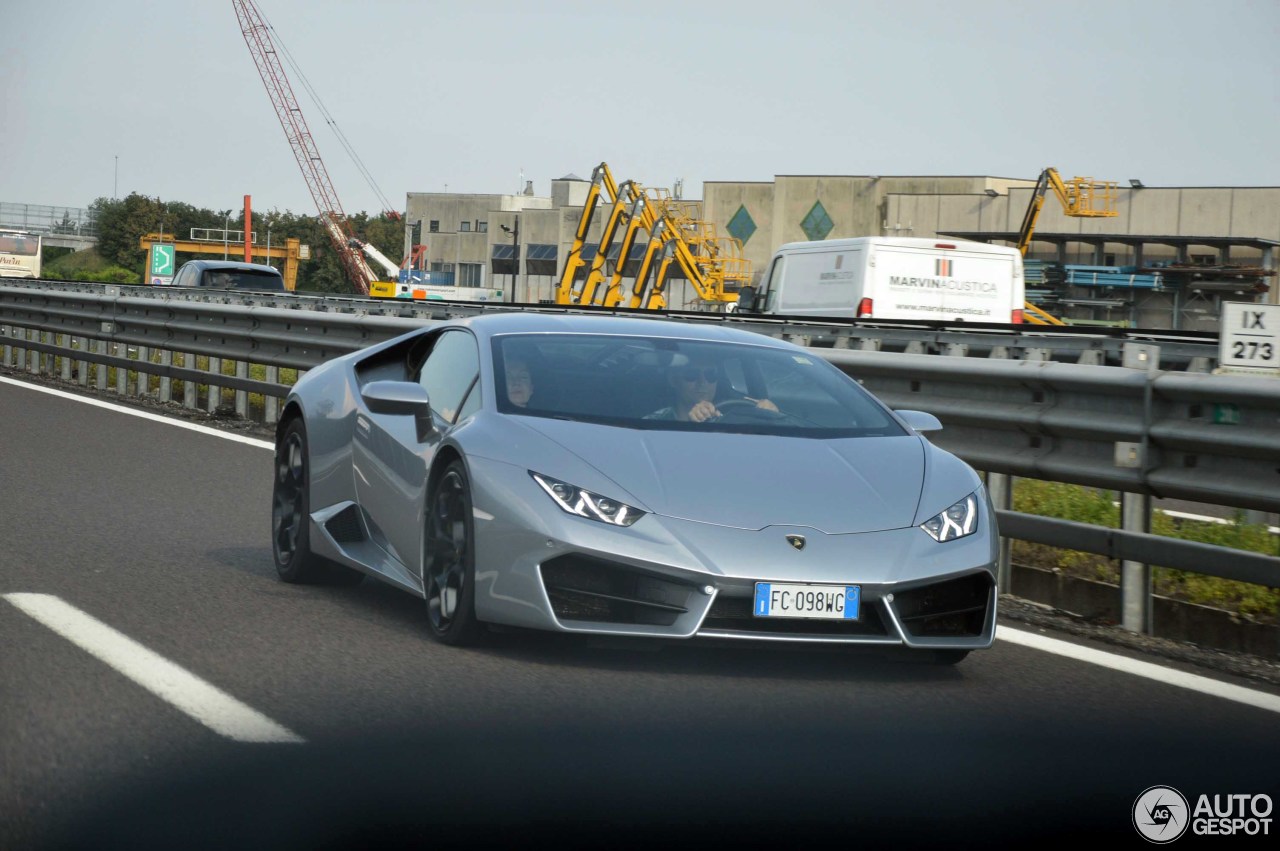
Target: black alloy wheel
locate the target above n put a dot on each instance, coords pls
(291, 516)
(448, 560)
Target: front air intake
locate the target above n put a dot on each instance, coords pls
(955, 608)
(588, 589)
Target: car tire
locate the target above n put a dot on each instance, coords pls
(949, 657)
(291, 516)
(448, 559)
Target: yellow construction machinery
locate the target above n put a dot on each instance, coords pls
(713, 265)
(1081, 197)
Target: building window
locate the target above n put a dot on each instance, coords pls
(434, 226)
(482, 227)
(464, 227)
(1108, 260)
(469, 274)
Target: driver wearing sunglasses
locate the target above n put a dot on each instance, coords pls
(695, 387)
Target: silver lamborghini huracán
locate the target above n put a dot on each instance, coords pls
(632, 477)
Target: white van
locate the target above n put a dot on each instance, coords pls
(875, 277)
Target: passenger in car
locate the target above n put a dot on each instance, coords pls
(696, 385)
(519, 383)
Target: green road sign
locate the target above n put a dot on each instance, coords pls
(161, 261)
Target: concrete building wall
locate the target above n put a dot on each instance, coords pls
(566, 192)
(722, 203)
(1255, 212)
(849, 202)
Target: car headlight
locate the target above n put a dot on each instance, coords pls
(586, 504)
(957, 521)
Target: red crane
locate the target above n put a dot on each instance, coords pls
(336, 225)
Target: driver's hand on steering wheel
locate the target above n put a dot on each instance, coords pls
(703, 411)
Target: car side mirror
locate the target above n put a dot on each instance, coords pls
(400, 397)
(747, 299)
(921, 421)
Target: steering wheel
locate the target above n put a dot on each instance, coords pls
(748, 408)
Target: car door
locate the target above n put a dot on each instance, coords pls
(391, 462)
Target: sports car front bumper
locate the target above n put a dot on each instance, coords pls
(665, 577)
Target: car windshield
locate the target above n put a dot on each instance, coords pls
(244, 279)
(655, 383)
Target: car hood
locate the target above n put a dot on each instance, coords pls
(747, 481)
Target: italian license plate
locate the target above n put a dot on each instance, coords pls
(825, 602)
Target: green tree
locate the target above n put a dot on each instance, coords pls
(123, 222)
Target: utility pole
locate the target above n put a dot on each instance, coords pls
(515, 270)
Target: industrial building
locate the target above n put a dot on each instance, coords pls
(1175, 252)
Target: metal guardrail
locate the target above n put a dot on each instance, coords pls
(1137, 429)
(1179, 350)
(1207, 438)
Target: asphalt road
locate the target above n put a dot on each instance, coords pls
(161, 533)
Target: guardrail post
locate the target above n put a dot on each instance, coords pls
(1092, 357)
(1000, 488)
(8, 349)
(49, 363)
(101, 347)
(122, 373)
(189, 390)
(166, 383)
(1135, 577)
(242, 397)
(33, 356)
(63, 340)
(143, 385)
(82, 366)
(270, 404)
(215, 392)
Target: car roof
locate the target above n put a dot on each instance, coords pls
(232, 266)
(492, 325)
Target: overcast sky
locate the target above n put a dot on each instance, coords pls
(471, 95)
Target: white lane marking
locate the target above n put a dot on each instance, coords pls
(207, 704)
(1137, 668)
(146, 415)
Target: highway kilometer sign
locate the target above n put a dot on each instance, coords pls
(1250, 338)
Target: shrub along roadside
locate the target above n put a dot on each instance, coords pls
(87, 265)
(1098, 507)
